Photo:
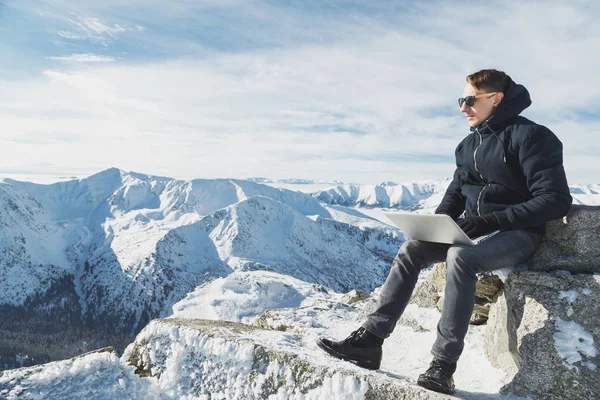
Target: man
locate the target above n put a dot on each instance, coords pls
(509, 177)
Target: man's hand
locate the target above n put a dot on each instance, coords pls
(478, 226)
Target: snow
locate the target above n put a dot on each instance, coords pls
(94, 376)
(588, 194)
(406, 351)
(571, 296)
(243, 296)
(503, 273)
(411, 195)
(589, 365)
(571, 341)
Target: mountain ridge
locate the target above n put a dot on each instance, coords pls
(131, 246)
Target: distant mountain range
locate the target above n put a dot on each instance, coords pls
(404, 196)
(418, 196)
(293, 181)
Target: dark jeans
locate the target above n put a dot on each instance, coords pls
(508, 249)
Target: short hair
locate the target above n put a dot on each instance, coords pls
(489, 79)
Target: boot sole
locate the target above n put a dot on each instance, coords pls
(432, 385)
(367, 364)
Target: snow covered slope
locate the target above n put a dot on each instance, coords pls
(131, 245)
(183, 357)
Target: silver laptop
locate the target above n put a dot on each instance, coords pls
(438, 228)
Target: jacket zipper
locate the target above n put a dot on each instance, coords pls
(478, 199)
(475, 153)
(475, 160)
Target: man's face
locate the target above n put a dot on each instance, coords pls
(483, 107)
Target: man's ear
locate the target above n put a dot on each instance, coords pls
(498, 98)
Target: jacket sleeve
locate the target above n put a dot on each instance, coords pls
(453, 203)
(541, 158)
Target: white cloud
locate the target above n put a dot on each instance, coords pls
(93, 29)
(377, 106)
(88, 58)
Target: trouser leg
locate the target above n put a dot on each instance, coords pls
(413, 256)
(504, 250)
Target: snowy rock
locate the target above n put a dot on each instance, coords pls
(236, 361)
(544, 332)
(95, 375)
(354, 296)
(312, 318)
(244, 295)
(571, 243)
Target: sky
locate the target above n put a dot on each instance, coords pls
(355, 91)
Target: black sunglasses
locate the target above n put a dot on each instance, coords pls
(470, 100)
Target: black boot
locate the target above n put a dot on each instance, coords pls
(361, 347)
(438, 377)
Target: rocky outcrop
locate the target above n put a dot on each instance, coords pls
(430, 293)
(237, 361)
(354, 296)
(571, 243)
(544, 330)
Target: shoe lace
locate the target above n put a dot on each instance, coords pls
(354, 336)
(440, 365)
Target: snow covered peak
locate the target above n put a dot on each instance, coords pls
(387, 183)
(404, 196)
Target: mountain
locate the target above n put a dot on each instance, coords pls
(408, 196)
(295, 181)
(387, 183)
(105, 254)
(586, 194)
(422, 196)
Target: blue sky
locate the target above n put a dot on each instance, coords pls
(357, 91)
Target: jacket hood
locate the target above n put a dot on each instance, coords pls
(516, 99)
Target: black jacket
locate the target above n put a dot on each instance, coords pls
(511, 167)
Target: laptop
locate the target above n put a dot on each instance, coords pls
(438, 228)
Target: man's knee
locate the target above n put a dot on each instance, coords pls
(420, 254)
(412, 249)
(409, 247)
(462, 257)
